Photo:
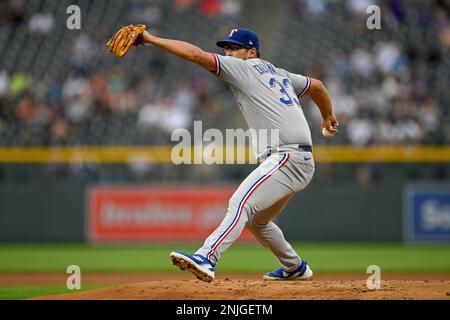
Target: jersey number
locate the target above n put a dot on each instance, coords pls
(285, 98)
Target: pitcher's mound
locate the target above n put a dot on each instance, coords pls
(225, 289)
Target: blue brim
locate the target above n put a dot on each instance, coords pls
(225, 42)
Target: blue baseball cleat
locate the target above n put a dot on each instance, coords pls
(303, 272)
(201, 267)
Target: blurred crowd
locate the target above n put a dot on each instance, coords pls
(386, 90)
(391, 86)
(105, 108)
(91, 104)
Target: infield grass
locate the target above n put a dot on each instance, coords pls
(29, 291)
(323, 257)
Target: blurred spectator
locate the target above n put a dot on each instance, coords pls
(430, 116)
(362, 62)
(443, 21)
(4, 83)
(74, 87)
(146, 11)
(82, 53)
(210, 7)
(315, 6)
(360, 6)
(231, 9)
(12, 12)
(163, 115)
(300, 7)
(59, 132)
(41, 23)
(77, 110)
(26, 110)
(183, 99)
(387, 56)
(184, 4)
(19, 83)
(397, 9)
(345, 107)
(360, 131)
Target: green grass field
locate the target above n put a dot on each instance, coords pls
(323, 257)
(29, 291)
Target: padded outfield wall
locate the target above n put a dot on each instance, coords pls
(333, 207)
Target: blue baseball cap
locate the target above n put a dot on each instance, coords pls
(243, 37)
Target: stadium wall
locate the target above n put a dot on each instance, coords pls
(322, 212)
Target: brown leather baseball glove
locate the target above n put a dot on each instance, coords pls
(126, 37)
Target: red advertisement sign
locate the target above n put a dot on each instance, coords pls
(182, 213)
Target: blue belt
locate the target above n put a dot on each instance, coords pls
(301, 147)
(306, 148)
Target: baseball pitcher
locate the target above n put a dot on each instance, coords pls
(269, 99)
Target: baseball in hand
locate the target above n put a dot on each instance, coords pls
(326, 133)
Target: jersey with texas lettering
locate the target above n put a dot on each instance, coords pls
(268, 98)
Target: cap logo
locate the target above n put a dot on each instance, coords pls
(250, 42)
(233, 31)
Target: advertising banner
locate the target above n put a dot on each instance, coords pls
(427, 213)
(157, 213)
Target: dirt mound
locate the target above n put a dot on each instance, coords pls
(225, 289)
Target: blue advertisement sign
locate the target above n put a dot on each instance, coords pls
(427, 213)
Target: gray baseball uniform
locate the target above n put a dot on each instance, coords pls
(268, 98)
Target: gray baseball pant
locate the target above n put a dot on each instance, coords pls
(258, 200)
